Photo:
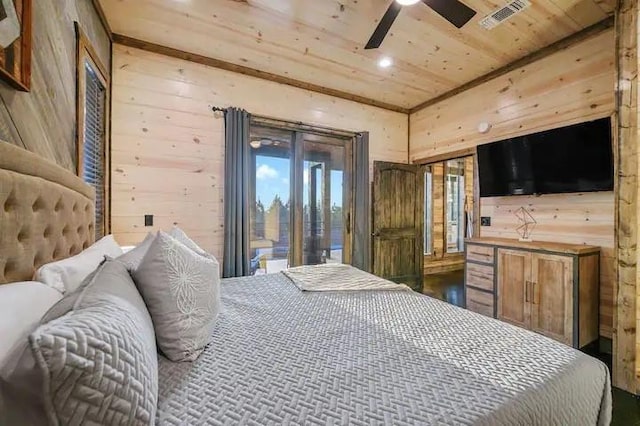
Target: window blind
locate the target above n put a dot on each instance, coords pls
(93, 152)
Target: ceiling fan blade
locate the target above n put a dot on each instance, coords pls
(452, 10)
(383, 26)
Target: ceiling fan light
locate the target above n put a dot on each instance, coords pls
(385, 62)
(407, 2)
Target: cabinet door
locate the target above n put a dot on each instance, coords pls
(551, 304)
(514, 272)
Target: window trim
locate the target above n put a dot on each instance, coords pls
(461, 196)
(440, 181)
(87, 54)
(428, 198)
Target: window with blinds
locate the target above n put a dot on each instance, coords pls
(93, 149)
(92, 134)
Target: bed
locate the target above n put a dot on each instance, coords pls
(280, 355)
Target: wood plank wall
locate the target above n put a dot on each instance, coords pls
(437, 177)
(44, 120)
(570, 86)
(634, 89)
(620, 297)
(168, 146)
(626, 341)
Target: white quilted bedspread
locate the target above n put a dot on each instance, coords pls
(281, 356)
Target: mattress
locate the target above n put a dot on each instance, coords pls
(282, 356)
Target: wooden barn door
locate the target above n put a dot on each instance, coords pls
(398, 203)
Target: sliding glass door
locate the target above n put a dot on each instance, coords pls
(325, 200)
(300, 198)
(270, 199)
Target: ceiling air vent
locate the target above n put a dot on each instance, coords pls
(497, 17)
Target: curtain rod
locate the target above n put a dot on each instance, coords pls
(264, 120)
(311, 128)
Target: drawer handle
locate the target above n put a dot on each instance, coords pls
(530, 293)
(475, 253)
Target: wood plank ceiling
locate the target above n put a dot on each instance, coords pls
(321, 41)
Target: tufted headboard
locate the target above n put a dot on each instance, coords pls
(46, 213)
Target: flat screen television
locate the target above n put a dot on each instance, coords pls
(576, 158)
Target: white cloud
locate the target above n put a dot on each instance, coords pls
(266, 172)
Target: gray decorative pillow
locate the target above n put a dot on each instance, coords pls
(182, 291)
(132, 258)
(99, 362)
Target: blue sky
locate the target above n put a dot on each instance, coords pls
(272, 177)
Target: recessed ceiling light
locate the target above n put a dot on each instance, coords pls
(385, 62)
(407, 2)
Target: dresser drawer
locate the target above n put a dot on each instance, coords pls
(480, 302)
(479, 253)
(480, 276)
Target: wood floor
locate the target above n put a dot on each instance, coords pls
(447, 286)
(450, 288)
(626, 409)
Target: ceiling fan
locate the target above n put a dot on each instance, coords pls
(452, 10)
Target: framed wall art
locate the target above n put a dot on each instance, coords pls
(15, 43)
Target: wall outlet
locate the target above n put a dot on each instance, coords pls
(148, 220)
(485, 221)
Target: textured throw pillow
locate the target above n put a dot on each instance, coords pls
(21, 383)
(98, 362)
(182, 291)
(133, 257)
(67, 274)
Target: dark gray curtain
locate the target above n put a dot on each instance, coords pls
(236, 193)
(361, 209)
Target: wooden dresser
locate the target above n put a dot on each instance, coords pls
(549, 288)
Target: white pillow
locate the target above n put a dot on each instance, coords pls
(67, 274)
(22, 304)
